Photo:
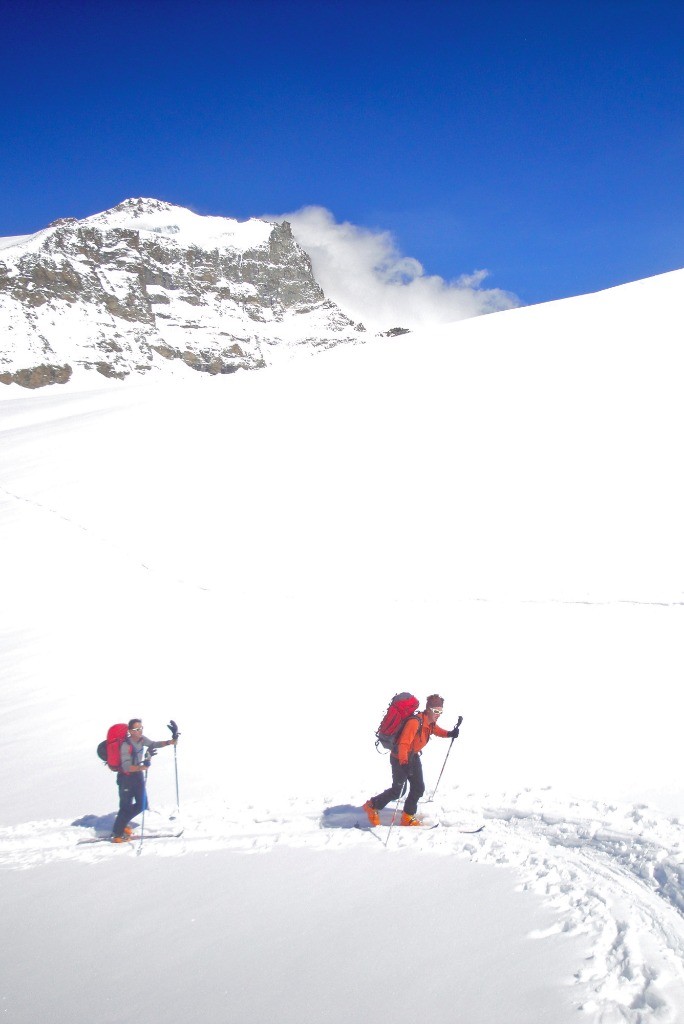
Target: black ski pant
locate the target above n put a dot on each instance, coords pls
(131, 799)
(411, 773)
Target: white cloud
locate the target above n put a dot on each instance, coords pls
(372, 282)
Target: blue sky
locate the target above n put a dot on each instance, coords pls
(543, 141)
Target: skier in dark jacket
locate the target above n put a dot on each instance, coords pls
(406, 763)
(131, 779)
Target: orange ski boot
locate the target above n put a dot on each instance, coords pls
(409, 819)
(373, 815)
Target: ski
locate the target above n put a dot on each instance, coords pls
(426, 828)
(464, 831)
(131, 839)
(371, 828)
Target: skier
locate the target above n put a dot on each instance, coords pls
(406, 764)
(131, 780)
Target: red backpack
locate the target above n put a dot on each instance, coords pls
(397, 715)
(109, 750)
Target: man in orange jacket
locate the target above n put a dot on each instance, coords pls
(406, 763)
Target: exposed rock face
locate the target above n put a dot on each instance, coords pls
(37, 376)
(135, 288)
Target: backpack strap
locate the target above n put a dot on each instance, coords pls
(395, 746)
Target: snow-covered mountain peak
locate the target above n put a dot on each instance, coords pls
(147, 284)
(141, 207)
(164, 219)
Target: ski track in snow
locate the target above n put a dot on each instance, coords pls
(614, 874)
(123, 553)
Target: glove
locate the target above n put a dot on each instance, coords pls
(454, 732)
(146, 763)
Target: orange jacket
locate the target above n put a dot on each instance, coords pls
(415, 735)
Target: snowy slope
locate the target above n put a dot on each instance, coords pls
(491, 511)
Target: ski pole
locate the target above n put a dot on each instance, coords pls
(396, 808)
(144, 807)
(457, 726)
(175, 734)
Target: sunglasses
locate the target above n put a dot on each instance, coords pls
(138, 728)
(436, 711)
